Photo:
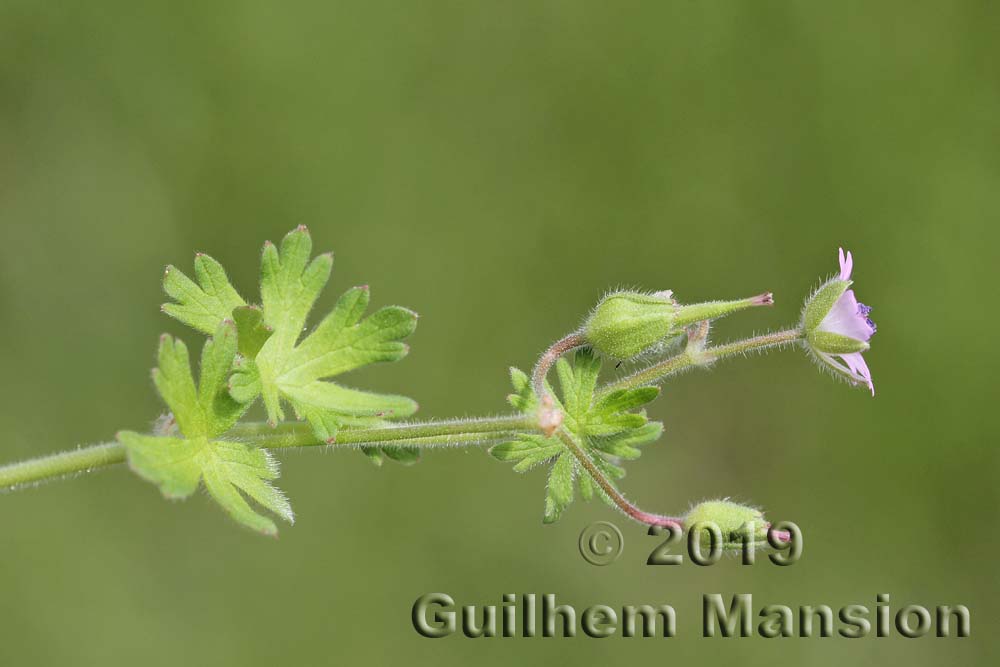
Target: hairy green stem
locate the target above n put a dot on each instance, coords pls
(63, 464)
(446, 433)
(449, 433)
(703, 357)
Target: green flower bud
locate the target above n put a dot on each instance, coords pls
(626, 324)
(732, 519)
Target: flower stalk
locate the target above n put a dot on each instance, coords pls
(620, 501)
(549, 417)
(702, 357)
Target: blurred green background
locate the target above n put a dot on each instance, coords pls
(496, 167)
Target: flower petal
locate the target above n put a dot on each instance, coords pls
(852, 371)
(856, 362)
(838, 365)
(847, 319)
(846, 265)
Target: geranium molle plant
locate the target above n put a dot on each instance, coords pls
(583, 433)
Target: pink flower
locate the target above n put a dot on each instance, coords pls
(837, 326)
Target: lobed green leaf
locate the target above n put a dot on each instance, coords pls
(273, 363)
(604, 427)
(229, 470)
(286, 370)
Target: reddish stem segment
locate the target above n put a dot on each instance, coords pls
(549, 417)
(614, 494)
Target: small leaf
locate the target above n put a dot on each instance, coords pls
(559, 493)
(235, 467)
(404, 455)
(625, 445)
(167, 462)
(515, 450)
(218, 407)
(353, 402)
(579, 382)
(290, 284)
(609, 469)
(602, 426)
(229, 470)
(626, 399)
(175, 383)
(529, 451)
(287, 370)
(524, 399)
(205, 304)
(374, 455)
(324, 423)
(609, 424)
